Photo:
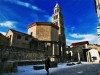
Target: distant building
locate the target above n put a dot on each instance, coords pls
(77, 51)
(4, 40)
(18, 39)
(82, 44)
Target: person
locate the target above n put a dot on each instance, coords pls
(47, 65)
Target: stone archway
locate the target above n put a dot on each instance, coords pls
(93, 56)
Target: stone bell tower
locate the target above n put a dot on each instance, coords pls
(97, 7)
(57, 19)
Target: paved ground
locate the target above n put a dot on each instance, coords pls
(62, 69)
(85, 69)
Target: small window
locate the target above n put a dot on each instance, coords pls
(56, 23)
(10, 36)
(31, 33)
(26, 38)
(56, 16)
(57, 10)
(18, 37)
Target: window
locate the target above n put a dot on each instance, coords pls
(56, 23)
(57, 10)
(26, 38)
(10, 36)
(31, 33)
(56, 16)
(18, 37)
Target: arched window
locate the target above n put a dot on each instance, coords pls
(31, 33)
(55, 11)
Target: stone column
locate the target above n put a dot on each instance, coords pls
(53, 53)
(78, 56)
(53, 50)
(61, 51)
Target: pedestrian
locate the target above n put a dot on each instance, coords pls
(47, 65)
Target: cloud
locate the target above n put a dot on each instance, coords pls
(4, 33)
(49, 18)
(9, 24)
(25, 4)
(93, 39)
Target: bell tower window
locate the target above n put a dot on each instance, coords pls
(31, 33)
(56, 23)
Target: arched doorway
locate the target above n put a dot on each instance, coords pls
(93, 56)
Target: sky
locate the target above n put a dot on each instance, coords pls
(80, 18)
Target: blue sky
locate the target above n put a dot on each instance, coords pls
(80, 18)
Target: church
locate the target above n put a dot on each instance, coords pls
(47, 36)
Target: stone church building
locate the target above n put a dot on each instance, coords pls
(47, 36)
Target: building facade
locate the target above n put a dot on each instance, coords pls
(4, 40)
(77, 51)
(97, 8)
(48, 36)
(57, 19)
(93, 56)
(18, 39)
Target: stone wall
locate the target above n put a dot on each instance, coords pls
(15, 53)
(43, 33)
(73, 53)
(4, 40)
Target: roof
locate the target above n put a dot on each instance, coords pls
(3, 36)
(80, 43)
(56, 6)
(43, 23)
(17, 32)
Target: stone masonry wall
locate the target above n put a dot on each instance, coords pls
(15, 53)
(43, 33)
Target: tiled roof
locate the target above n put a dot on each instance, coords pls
(44, 23)
(17, 32)
(80, 43)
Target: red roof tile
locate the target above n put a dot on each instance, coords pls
(43, 23)
(79, 43)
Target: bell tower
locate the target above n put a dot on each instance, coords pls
(57, 19)
(97, 7)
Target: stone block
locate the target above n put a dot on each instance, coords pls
(53, 64)
(6, 67)
(38, 67)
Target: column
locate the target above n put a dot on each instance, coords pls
(61, 51)
(53, 49)
(78, 56)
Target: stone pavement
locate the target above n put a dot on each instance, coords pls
(85, 69)
(62, 69)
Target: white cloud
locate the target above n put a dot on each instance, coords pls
(4, 33)
(9, 24)
(25, 4)
(49, 18)
(93, 39)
